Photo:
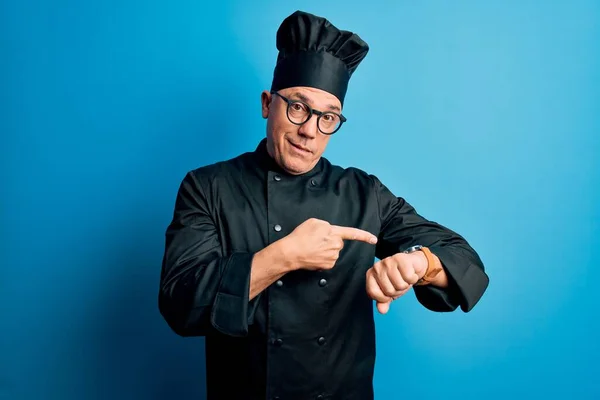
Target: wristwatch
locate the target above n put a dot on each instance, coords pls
(432, 267)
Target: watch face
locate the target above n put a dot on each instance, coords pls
(413, 249)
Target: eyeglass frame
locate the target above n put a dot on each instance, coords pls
(311, 112)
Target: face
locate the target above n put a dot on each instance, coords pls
(296, 148)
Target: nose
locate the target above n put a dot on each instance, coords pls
(309, 129)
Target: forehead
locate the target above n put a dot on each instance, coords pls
(315, 97)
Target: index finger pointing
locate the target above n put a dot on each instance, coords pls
(348, 233)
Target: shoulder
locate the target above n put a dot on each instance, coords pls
(199, 180)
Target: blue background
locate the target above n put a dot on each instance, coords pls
(483, 115)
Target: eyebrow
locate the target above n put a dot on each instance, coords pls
(307, 100)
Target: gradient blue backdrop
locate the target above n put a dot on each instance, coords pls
(484, 115)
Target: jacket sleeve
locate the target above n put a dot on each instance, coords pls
(402, 227)
(200, 288)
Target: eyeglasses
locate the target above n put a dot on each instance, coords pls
(299, 113)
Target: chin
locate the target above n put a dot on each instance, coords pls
(291, 160)
(295, 167)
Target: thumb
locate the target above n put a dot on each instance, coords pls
(383, 308)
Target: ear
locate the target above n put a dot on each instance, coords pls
(265, 99)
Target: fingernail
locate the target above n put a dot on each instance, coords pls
(373, 240)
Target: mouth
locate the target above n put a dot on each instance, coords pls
(300, 147)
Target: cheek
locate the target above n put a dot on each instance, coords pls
(274, 129)
(278, 136)
(279, 129)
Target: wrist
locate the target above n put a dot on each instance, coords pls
(434, 273)
(423, 263)
(427, 266)
(285, 257)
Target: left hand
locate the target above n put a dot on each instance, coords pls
(393, 276)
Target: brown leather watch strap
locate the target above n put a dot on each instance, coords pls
(434, 267)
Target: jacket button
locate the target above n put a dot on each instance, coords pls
(321, 341)
(313, 182)
(323, 282)
(277, 178)
(277, 228)
(279, 283)
(278, 342)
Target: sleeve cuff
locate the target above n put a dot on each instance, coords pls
(231, 311)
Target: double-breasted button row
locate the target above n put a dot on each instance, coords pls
(277, 178)
(320, 341)
(277, 227)
(322, 283)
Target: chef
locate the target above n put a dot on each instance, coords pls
(277, 256)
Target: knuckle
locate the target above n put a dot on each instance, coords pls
(406, 270)
(377, 268)
(390, 266)
(400, 258)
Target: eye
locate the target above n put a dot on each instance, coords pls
(299, 107)
(330, 118)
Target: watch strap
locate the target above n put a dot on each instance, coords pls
(433, 267)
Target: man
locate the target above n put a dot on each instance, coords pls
(270, 255)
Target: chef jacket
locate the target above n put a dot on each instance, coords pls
(310, 335)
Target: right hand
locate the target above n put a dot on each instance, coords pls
(316, 244)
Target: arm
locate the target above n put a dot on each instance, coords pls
(463, 280)
(268, 265)
(200, 288)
